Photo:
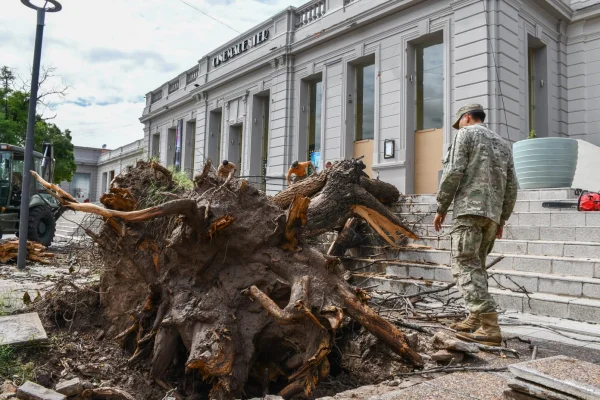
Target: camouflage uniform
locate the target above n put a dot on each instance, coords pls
(479, 176)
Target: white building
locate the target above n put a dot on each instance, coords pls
(383, 79)
(96, 168)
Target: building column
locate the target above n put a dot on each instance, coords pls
(281, 117)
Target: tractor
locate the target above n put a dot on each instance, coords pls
(44, 210)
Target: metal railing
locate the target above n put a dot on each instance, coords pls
(156, 96)
(191, 76)
(173, 86)
(310, 12)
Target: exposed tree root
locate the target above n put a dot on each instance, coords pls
(226, 278)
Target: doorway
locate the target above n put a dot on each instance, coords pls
(361, 110)
(234, 153)
(259, 146)
(428, 96)
(213, 140)
(80, 187)
(171, 144)
(190, 148)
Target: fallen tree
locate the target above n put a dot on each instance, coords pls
(226, 279)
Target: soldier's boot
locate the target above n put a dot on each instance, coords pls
(469, 324)
(489, 332)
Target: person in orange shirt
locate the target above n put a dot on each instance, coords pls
(225, 168)
(300, 170)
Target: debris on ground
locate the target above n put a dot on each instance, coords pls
(21, 329)
(570, 377)
(32, 391)
(36, 252)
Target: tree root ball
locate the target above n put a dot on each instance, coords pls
(219, 272)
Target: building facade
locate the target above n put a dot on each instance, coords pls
(96, 168)
(380, 79)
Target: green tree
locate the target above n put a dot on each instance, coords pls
(13, 125)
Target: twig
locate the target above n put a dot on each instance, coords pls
(534, 353)
(494, 349)
(455, 369)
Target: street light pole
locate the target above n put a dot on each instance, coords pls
(29, 142)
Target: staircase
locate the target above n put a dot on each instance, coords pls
(67, 228)
(554, 254)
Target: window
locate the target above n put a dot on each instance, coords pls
(365, 102)
(530, 84)
(315, 96)
(156, 96)
(538, 106)
(430, 86)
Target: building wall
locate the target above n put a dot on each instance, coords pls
(485, 61)
(584, 80)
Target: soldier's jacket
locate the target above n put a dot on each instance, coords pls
(479, 175)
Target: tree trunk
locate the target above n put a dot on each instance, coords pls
(222, 274)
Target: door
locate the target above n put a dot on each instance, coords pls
(365, 148)
(428, 160)
(235, 146)
(80, 187)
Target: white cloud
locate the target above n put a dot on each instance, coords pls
(113, 52)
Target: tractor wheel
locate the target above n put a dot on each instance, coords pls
(41, 226)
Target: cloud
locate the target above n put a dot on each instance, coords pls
(114, 52)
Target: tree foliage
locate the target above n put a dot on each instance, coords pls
(13, 126)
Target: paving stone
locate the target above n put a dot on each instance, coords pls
(573, 267)
(416, 272)
(545, 249)
(521, 206)
(548, 305)
(421, 392)
(567, 219)
(443, 274)
(536, 219)
(537, 264)
(510, 247)
(537, 391)
(505, 264)
(591, 290)
(71, 387)
(557, 234)
(587, 234)
(396, 270)
(516, 282)
(582, 250)
(432, 256)
(21, 328)
(33, 391)
(556, 194)
(558, 286)
(483, 386)
(507, 301)
(568, 375)
(528, 195)
(584, 310)
(592, 219)
(522, 232)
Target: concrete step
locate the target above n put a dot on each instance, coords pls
(578, 309)
(560, 219)
(565, 266)
(531, 247)
(545, 233)
(530, 194)
(532, 282)
(520, 206)
(60, 238)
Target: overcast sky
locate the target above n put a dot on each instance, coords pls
(112, 52)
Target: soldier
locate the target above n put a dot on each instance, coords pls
(479, 176)
(225, 168)
(300, 170)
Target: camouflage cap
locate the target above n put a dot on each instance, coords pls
(466, 109)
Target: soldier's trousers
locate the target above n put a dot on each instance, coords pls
(472, 239)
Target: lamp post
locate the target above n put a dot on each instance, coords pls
(35, 76)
